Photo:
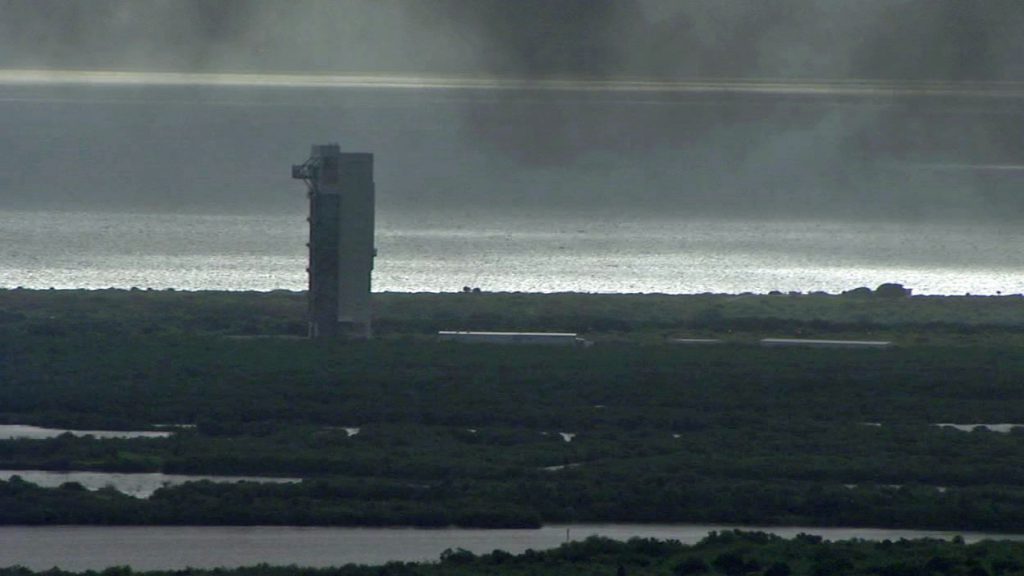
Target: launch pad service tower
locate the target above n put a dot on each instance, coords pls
(341, 251)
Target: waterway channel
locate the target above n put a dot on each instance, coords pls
(176, 547)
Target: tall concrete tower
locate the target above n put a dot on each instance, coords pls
(341, 205)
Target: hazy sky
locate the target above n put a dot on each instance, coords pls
(933, 39)
(203, 148)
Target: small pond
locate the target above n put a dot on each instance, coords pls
(139, 485)
(21, 431)
(1001, 428)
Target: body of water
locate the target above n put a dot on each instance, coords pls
(444, 253)
(20, 431)
(176, 547)
(139, 485)
(1001, 428)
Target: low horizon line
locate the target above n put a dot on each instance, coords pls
(762, 86)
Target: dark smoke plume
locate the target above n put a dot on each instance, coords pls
(582, 147)
(885, 40)
(540, 38)
(665, 39)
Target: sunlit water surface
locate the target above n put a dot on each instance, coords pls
(444, 253)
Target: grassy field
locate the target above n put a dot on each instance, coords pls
(966, 320)
(473, 434)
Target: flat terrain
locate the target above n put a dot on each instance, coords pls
(634, 428)
(958, 320)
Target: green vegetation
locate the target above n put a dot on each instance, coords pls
(726, 553)
(920, 319)
(470, 435)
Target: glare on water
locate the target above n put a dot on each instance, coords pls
(444, 253)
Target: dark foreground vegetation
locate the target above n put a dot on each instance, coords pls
(473, 435)
(725, 553)
(920, 319)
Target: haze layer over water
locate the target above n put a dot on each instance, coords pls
(808, 111)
